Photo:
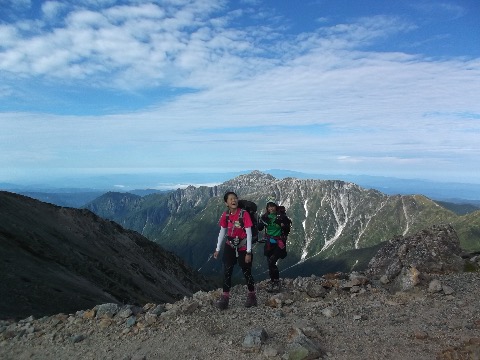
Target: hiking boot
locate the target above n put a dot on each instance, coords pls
(277, 285)
(274, 286)
(251, 300)
(222, 303)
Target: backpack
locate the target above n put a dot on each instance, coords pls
(251, 208)
(286, 229)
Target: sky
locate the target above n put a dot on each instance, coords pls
(372, 87)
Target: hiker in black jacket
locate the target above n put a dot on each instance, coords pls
(277, 226)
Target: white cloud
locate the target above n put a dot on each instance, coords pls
(441, 9)
(8, 35)
(51, 9)
(324, 99)
(113, 44)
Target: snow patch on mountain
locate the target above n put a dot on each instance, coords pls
(407, 225)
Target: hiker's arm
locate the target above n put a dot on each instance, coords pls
(221, 236)
(249, 238)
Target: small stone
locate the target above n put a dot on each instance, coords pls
(89, 314)
(330, 312)
(125, 312)
(77, 338)
(420, 335)
(130, 321)
(384, 279)
(158, 310)
(255, 338)
(270, 352)
(447, 290)
(106, 310)
(435, 286)
(104, 323)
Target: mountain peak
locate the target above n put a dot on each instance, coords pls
(249, 183)
(257, 175)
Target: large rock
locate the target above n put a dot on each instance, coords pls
(404, 260)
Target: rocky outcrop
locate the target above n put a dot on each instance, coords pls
(406, 261)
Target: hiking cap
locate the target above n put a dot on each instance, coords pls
(271, 201)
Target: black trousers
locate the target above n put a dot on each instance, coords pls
(272, 252)
(272, 266)
(229, 261)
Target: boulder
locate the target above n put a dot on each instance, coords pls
(405, 261)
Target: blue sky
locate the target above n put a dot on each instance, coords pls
(387, 88)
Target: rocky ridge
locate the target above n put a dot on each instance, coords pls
(55, 259)
(334, 316)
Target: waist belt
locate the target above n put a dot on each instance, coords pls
(276, 238)
(236, 242)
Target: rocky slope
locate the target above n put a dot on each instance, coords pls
(55, 259)
(335, 316)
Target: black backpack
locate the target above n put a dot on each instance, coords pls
(251, 208)
(286, 229)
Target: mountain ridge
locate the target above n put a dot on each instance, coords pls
(82, 259)
(456, 192)
(329, 218)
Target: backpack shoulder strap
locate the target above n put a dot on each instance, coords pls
(240, 218)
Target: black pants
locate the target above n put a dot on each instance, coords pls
(272, 252)
(272, 266)
(229, 261)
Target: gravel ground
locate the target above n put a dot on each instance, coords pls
(363, 322)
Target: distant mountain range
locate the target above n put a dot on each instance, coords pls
(337, 225)
(77, 198)
(67, 190)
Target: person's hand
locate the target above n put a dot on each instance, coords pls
(248, 258)
(215, 254)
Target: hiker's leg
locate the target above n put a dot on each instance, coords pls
(247, 270)
(272, 267)
(229, 261)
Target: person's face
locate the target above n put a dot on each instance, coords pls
(271, 209)
(232, 202)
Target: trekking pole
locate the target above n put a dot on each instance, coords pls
(205, 263)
